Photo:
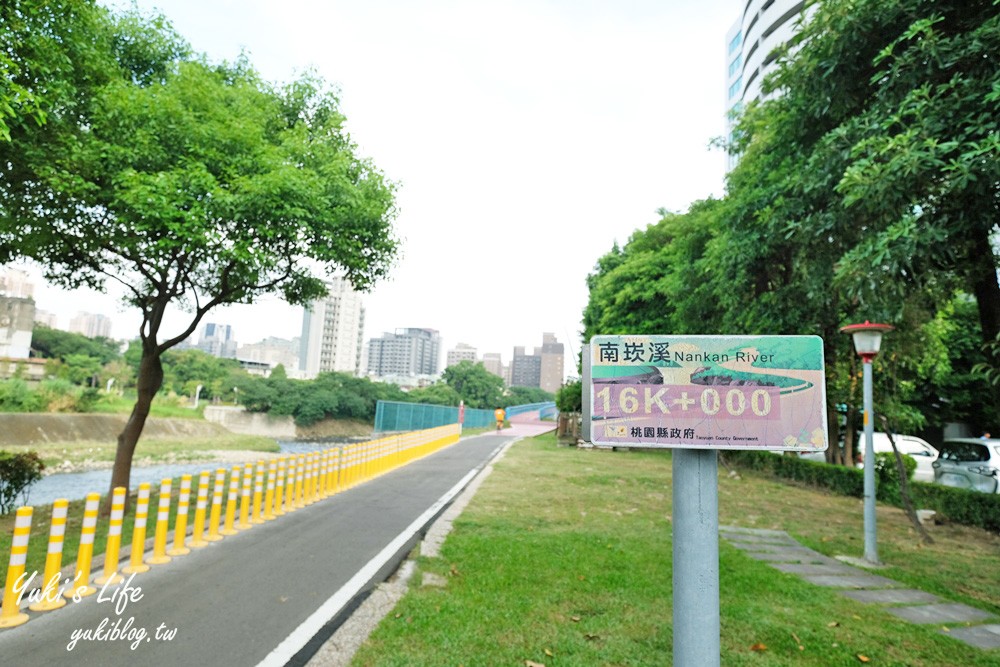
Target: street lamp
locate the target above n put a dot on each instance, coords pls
(867, 341)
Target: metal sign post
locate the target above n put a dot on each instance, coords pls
(696, 395)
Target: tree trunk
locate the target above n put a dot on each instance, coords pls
(987, 293)
(148, 382)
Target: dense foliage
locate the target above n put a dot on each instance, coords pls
(964, 506)
(17, 473)
(867, 188)
(126, 157)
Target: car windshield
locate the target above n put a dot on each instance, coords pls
(964, 451)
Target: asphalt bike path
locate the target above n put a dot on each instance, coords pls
(260, 596)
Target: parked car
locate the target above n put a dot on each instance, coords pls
(969, 463)
(922, 452)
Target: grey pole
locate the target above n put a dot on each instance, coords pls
(871, 552)
(696, 558)
(588, 399)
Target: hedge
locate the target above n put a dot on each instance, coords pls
(970, 508)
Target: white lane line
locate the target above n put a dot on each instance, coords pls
(299, 637)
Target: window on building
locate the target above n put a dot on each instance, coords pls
(734, 89)
(735, 43)
(735, 65)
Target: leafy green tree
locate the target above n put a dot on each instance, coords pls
(52, 54)
(474, 384)
(193, 185)
(569, 398)
(184, 370)
(18, 471)
(525, 396)
(438, 393)
(863, 189)
(660, 282)
(49, 343)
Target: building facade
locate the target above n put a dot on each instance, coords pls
(217, 340)
(493, 362)
(333, 332)
(272, 351)
(543, 368)
(461, 352)
(551, 367)
(405, 353)
(91, 325)
(17, 314)
(525, 369)
(752, 46)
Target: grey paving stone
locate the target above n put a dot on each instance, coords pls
(760, 539)
(763, 546)
(815, 568)
(792, 555)
(980, 636)
(751, 531)
(892, 596)
(939, 613)
(850, 581)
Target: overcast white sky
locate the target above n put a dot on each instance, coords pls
(526, 136)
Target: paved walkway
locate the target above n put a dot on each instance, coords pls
(782, 552)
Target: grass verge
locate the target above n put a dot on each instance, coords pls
(564, 558)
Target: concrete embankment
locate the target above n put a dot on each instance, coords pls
(36, 429)
(27, 429)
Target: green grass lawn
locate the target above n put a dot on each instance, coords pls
(564, 558)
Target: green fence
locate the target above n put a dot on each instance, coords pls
(395, 416)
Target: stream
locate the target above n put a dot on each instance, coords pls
(76, 485)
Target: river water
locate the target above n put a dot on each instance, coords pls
(76, 485)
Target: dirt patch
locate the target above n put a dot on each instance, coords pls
(334, 428)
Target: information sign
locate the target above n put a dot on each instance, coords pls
(709, 392)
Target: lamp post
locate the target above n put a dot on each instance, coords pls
(867, 341)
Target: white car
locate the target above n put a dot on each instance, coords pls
(919, 449)
(969, 463)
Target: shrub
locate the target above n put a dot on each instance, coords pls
(17, 473)
(970, 508)
(16, 396)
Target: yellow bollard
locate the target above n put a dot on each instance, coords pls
(181, 522)
(53, 560)
(11, 614)
(300, 471)
(279, 489)
(244, 521)
(258, 493)
(162, 526)
(135, 563)
(331, 471)
(85, 553)
(307, 481)
(197, 533)
(314, 482)
(114, 543)
(213, 518)
(234, 486)
(290, 503)
(324, 457)
(269, 495)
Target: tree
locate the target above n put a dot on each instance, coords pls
(438, 393)
(525, 396)
(194, 185)
(474, 384)
(49, 343)
(874, 169)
